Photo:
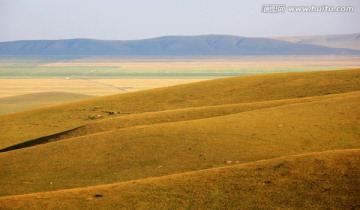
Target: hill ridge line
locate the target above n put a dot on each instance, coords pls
(200, 45)
(201, 82)
(183, 173)
(47, 139)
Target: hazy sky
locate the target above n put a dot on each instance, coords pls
(136, 19)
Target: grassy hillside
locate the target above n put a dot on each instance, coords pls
(311, 181)
(161, 149)
(28, 101)
(151, 118)
(245, 89)
(185, 135)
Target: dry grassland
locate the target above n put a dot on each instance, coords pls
(310, 181)
(137, 152)
(245, 89)
(272, 141)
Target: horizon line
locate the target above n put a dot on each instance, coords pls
(156, 37)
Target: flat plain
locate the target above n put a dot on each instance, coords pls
(202, 67)
(99, 76)
(95, 87)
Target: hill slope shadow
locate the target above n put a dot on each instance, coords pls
(38, 141)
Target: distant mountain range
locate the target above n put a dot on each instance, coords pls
(206, 45)
(349, 41)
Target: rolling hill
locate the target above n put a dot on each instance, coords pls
(330, 180)
(236, 90)
(138, 152)
(206, 45)
(287, 140)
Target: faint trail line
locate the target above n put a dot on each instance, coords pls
(105, 84)
(90, 71)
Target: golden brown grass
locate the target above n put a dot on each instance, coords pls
(138, 152)
(192, 127)
(176, 115)
(247, 89)
(310, 181)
